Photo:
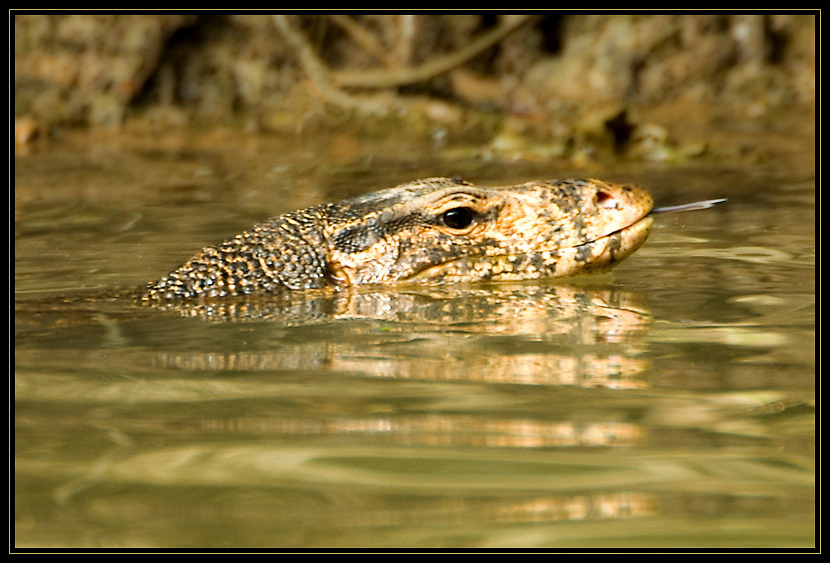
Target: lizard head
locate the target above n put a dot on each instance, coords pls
(443, 230)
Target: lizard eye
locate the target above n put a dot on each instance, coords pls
(458, 217)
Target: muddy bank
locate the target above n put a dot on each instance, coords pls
(546, 86)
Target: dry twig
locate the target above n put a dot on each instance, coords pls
(365, 39)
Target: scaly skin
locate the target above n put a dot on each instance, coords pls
(432, 231)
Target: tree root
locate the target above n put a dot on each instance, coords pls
(330, 84)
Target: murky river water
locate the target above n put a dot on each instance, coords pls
(669, 405)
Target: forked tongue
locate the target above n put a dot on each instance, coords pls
(689, 206)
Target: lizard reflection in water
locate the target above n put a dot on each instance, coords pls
(529, 333)
(429, 232)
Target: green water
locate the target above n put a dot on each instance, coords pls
(669, 405)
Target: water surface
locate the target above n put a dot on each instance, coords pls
(671, 404)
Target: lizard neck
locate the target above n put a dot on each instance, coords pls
(285, 253)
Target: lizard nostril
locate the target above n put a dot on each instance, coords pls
(605, 200)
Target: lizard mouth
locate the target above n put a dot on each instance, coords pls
(603, 253)
(640, 227)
